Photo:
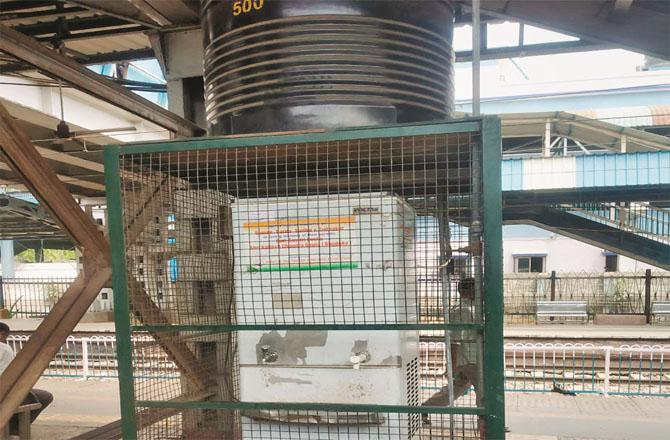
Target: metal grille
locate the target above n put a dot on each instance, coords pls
(303, 270)
(31, 297)
(313, 425)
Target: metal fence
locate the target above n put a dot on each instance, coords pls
(31, 297)
(586, 368)
(96, 357)
(641, 370)
(35, 297)
(604, 293)
(608, 293)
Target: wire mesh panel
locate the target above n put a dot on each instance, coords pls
(304, 270)
(310, 425)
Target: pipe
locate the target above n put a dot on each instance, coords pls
(476, 56)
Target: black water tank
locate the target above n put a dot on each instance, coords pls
(277, 65)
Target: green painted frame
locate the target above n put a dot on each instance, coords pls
(124, 347)
(232, 328)
(465, 125)
(493, 409)
(494, 355)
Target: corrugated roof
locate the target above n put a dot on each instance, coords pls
(102, 36)
(108, 44)
(637, 116)
(592, 132)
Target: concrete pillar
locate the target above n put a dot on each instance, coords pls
(546, 150)
(7, 258)
(39, 253)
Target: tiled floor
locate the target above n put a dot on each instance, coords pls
(81, 405)
(588, 416)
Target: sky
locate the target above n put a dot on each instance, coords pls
(496, 75)
(505, 76)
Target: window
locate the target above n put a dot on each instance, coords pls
(611, 263)
(205, 300)
(529, 264)
(202, 233)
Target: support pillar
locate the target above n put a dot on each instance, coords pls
(647, 295)
(7, 258)
(546, 151)
(39, 253)
(476, 49)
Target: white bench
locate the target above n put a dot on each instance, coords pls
(561, 309)
(660, 308)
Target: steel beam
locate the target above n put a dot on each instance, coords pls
(19, 5)
(25, 209)
(59, 66)
(27, 367)
(29, 364)
(174, 12)
(98, 58)
(10, 17)
(73, 25)
(644, 30)
(45, 185)
(118, 9)
(99, 33)
(147, 311)
(542, 197)
(594, 233)
(151, 12)
(69, 180)
(529, 50)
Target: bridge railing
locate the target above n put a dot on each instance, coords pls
(639, 218)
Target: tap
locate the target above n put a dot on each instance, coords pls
(269, 354)
(359, 358)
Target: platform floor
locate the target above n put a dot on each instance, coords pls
(83, 405)
(588, 331)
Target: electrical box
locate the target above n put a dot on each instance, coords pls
(340, 259)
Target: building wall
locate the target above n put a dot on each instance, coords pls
(46, 270)
(564, 254)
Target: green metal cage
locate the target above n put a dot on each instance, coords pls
(278, 274)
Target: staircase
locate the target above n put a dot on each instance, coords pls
(641, 219)
(640, 232)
